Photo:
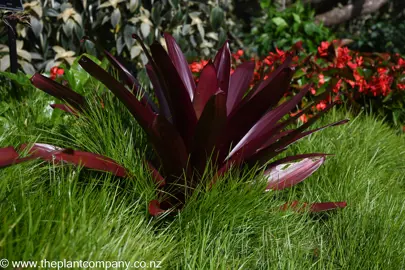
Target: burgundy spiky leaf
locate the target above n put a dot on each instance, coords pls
(144, 115)
(222, 63)
(208, 129)
(59, 91)
(8, 156)
(79, 158)
(164, 108)
(272, 150)
(245, 117)
(264, 128)
(314, 207)
(154, 208)
(181, 106)
(239, 84)
(131, 81)
(170, 148)
(326, 206)
(46, 152)
(206, 88)
(180, 62)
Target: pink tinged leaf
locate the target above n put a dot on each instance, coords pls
(313, 208)
(239, 84)
(144, 115)
(157, 177)
(206, 88)
(296, 157)
(65, 108)
(181, 107)
(8, 156)
(208, 129)
(222, 63)
(280, 177)
(59, 91)
(163, 105)
(181, 64)
(154, 208)
(88, 160)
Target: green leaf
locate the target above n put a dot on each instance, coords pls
(296, 18)
(217, 17)
(77, 76)
(280, 22)
(20, 78)
(115, 17)
(310, 28)
(4, 106)
(299, 73)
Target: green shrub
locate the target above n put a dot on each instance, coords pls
(382, 32)
(282, 29)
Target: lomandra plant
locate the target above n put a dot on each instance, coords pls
(217, 124)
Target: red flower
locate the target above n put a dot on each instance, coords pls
(343, 57)
(321, 106)
(401, 86)
(304, 118)
(336, 88)
(401, 62)
(382, 70)
(280, 52)
(323, 49)
(321, 79)
(297, 46)
(313, 91)
(56, 72)
(196, 67)
(238, 54)
(381, 85)
(358, 63)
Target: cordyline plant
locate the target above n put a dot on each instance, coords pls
(216, 123)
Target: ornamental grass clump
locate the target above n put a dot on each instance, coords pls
(218, 123)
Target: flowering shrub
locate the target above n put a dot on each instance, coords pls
(365, 80)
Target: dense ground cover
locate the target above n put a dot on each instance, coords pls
(66, 213)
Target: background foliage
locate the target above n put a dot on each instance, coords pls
(382, 31)
(283, 28)
(57, 27)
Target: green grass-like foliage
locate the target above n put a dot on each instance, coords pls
(53, 213)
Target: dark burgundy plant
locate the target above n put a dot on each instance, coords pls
(217, 123)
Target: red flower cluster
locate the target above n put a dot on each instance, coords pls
(56, 73)
(196, 67)
(358, 75)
